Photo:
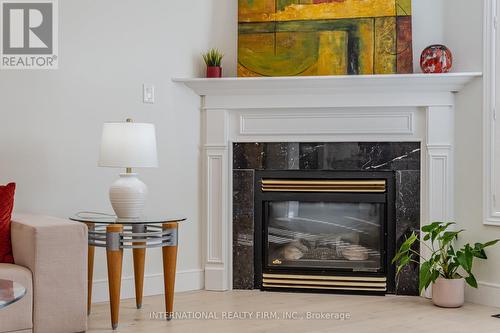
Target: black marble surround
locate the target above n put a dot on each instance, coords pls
(401, 157)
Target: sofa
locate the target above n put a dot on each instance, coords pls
(50, 256)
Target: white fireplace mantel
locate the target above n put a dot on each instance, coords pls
(413, 107)
(362, 83)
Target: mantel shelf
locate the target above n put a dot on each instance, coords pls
(400, 83)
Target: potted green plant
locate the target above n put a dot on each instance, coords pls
(446, 268)
(213, 60)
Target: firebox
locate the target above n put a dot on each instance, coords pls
(328, 231)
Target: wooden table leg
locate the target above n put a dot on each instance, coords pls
(169, 266)
(90, 270)
(139, 258)
(114, 256)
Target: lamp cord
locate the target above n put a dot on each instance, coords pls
(80, 214)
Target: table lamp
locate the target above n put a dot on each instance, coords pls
(128, 145)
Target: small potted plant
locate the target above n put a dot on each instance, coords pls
(213, 60)
(446, 268)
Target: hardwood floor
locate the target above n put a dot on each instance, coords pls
(367, 314)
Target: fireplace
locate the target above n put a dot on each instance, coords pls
(327, 231)
(402, 123)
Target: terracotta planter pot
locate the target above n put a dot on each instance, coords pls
(214, 72)
(448, 293)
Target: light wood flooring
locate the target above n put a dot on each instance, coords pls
(389, 314)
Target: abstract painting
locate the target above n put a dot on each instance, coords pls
(324, 37)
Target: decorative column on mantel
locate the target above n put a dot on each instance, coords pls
(321, 109)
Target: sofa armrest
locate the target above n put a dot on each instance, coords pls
(55, 250)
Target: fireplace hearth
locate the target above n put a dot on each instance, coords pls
(324, 231)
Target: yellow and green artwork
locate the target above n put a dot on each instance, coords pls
(324, 37)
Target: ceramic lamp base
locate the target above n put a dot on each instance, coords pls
(128, 196)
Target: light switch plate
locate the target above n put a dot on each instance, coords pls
(148, 93)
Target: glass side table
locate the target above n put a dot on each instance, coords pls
(116, 234)
(10, 292)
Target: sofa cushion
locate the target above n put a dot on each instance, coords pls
(6, 205)
(19, 315)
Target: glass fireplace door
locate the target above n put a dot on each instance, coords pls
(325, 235)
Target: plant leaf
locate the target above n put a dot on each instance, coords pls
(402, 263)
(425, 276)
(490, 243)
(481, 254)
(436, 233)
(435, 274)
(464, 258)
(430, 227)
(469, 257)
(448, 236)
(471, 281)
(405, 247)
(213, 57)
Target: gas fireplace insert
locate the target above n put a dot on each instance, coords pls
(325, 231)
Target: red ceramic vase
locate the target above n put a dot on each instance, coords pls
(436, 59)
(214, 72)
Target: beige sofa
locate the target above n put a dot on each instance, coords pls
(50, 257)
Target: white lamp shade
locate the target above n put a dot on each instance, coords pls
(128, 145)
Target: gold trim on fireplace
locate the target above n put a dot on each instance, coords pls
(325, 277)
(290, 185)
(325, 282)
(270, 285)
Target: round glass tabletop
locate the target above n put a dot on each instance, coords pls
(10, 292)
(101, 218)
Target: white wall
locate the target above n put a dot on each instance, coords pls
(466, 42)
(50, 121)
(427, 27)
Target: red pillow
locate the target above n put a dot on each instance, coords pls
(6, 205)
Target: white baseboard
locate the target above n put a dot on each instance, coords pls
(187, 280)
(486, 294)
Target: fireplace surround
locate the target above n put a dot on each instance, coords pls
(372, 108)
(397, 163)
